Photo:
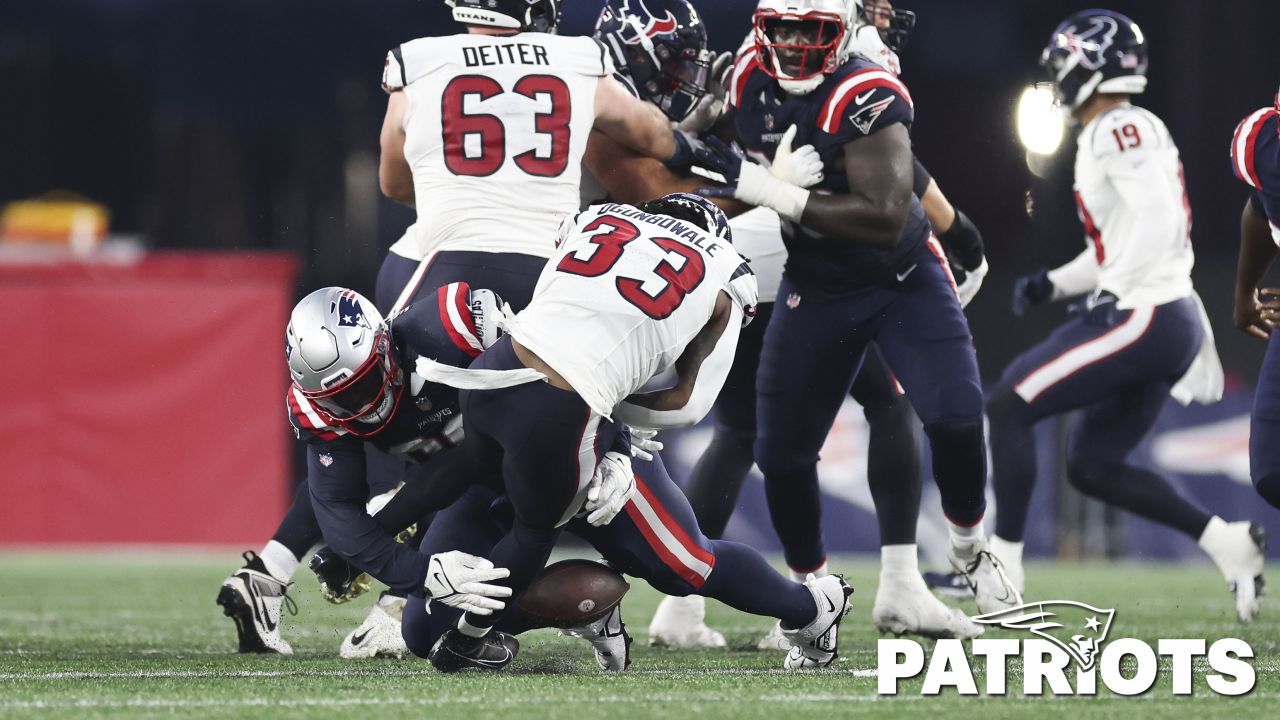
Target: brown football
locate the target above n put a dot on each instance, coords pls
(572, 593)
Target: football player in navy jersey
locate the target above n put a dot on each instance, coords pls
(1255, 159)
(862, 265)
(1142, 334)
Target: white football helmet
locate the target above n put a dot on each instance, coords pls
(341, 358)
(799, 42)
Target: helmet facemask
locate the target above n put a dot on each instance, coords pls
(367, 396)
(799, 50)
(676, 79)
(893, 24)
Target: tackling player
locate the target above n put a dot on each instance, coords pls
(862, 265)
(1142, 333)
(1255, 159)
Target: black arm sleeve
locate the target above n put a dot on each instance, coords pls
(922, 179)
(336, 473)
(963, 242)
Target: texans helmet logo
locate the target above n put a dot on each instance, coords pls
(1090, 43)
(1078, 628)
(646, 22)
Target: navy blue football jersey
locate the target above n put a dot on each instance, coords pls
(1255, 159)
(426, 418)
(857, 100)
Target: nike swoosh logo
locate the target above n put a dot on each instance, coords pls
(357, 639)
(494, 663)
(903, 275)
(260, 609)
(864, 97)
(831, 606)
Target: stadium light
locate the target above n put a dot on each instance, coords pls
(1040, 120)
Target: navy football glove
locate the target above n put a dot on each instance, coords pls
(1031, 290)
(724, 158)
(687, 146)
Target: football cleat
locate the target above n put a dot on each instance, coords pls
(680, 623)
(815, 645)
(992, 589)
(904, 606)
(253, 599)
(948, 584)
(455, 651)
(379, 634)
(1239, 550)
(1010, 556)
(340, 581)
(608, 636)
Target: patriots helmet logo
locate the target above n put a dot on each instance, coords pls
(349, 312)
(1090, 43)
(645, 22)
(1076, 627)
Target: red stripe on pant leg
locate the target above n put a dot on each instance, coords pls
(655, 543)
(674, 526)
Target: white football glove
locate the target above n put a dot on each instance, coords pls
(460, 580)
(972, 282)
(801, 167)
(612, 485)
(643, 445)
(707, 111)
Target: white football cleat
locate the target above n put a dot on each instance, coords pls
(608, 637)
(815, 645)
(992, 588)
(1009, 554)
(904, 606)
(253, 599)
(1239, 551)
(379, 634)
(680, 623)
(774, 640)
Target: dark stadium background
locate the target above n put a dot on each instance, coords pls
(253, 124)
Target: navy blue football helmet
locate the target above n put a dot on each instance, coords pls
(524, 15)
(661, 45)
(710, 217)
(1095, 51)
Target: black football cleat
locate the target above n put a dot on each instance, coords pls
(455, 651)
(340, 581)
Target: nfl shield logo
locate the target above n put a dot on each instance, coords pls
(326, 459)
(768, 122)
(793, 300)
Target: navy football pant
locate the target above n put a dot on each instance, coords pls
(655, 538)
(812, 352)
(893, 459)
(1118, 366)
(1264, 427)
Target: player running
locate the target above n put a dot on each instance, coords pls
(1255, 159)
(862, 265)
(1142, 333)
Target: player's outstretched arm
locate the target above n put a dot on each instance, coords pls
(633, 122)
(880, 168)
(395, 178)
(1255, 312)
(628, 176)
(700, 371)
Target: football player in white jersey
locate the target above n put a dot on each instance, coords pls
(1142, 333)
(634, 319)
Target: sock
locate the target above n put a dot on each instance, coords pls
(801, 575)
(280, 561)
(963, 537)
(744, 580)
(470, 630)
(899, 560)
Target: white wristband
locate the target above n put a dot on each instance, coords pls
(758, 186)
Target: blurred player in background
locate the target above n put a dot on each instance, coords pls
(862, 264)
(1255, 159)
(634, 294)
(1141, 333)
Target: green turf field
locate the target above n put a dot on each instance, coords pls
(87, 635)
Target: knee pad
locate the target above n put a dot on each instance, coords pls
(956, 434)
(1268, 486)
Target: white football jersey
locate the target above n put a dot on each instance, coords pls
(621, 299)
(1133, 203)
(494, 132)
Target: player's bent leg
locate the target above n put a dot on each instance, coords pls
(893, 451)
(1264, 427)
